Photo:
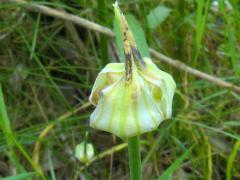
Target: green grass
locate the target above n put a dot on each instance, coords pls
(202, 14)
(20, 176)
(44, 74)
(12, 142)
(8, 134)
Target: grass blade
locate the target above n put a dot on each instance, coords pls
(170, 170)
(11, 140)
(5, 126)
(22, 176)
(231, 159)
(118, 37)
(35, 35)
(202, 14)
(157, 16)
(4, 122)
(138, 35)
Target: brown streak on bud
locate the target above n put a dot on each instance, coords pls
(128, 66)
(137, 57)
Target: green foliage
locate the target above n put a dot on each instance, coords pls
(157, 16)
(119, 43)
(202, 13)
(231, 160)
(44, 74)
(172, 168)
(4, 121)
(138, 35)
(22, 176)
(5, 126)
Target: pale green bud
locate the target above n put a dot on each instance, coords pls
(131, 98)
(129, 109)
(84, 152)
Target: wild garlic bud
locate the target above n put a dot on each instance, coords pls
(131, 98)
(84, 152)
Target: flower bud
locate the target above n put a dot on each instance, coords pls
(134, 97)
(84, 152)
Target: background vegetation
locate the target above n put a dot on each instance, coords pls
(48, 66)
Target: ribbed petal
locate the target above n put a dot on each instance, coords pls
(163, 87)
(126, 109)
(110, 74)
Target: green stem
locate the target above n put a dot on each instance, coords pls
(86, 173)
(134, 158)
(102, 13)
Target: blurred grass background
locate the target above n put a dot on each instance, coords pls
(48, 67)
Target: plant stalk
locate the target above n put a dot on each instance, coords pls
(134, 158)
(102, 13)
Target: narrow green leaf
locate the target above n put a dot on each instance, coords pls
(5, 126)
(213, 129)
(170, 170)
(35, 35)
(202, 14)
(4, 122)
(11, 140)
(51, 166)
(116, 28)
(231, 160)
(157, 16)
(22, 176)
(139, 35)
(232, 123)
